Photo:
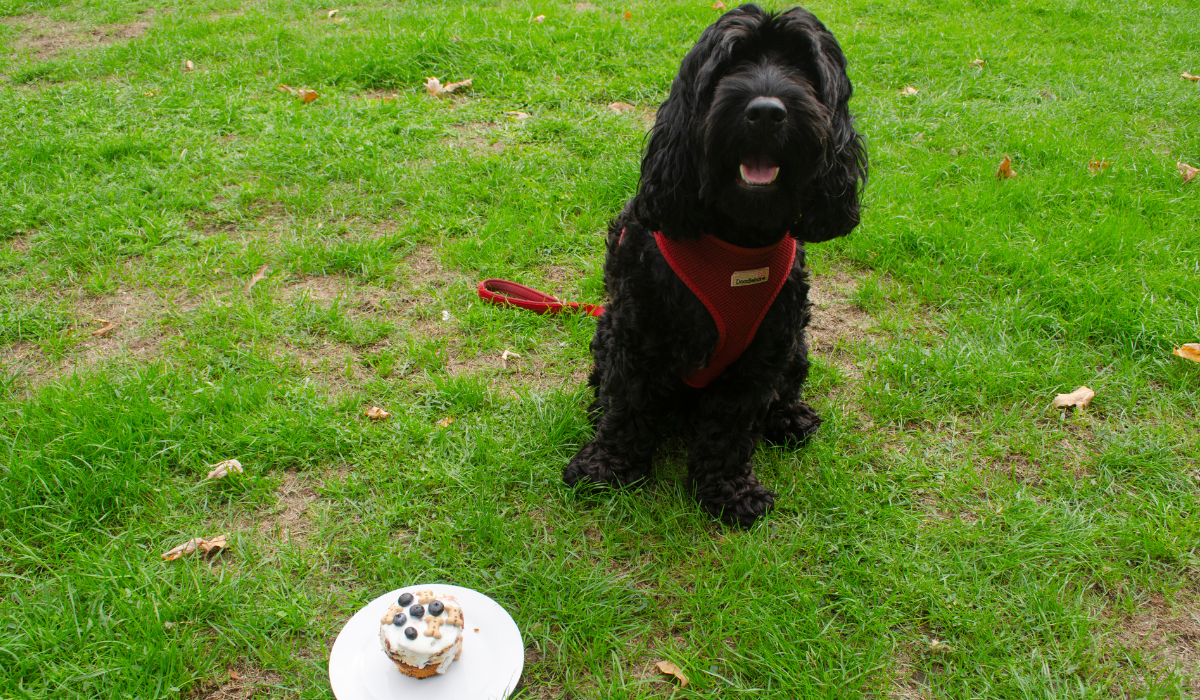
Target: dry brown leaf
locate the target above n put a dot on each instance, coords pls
(188, 66)
(620, 107)
(232, 673)
(671, 669)
(519, 116)
(505, 355)
(1189, 351)
(445, 421)
(1187, 172)
(262, 272)
(1097, 165)
(377, 413)
(285, 87)
(434, 86)
(103, 330)
(718, 5)
(539, 19)
(182, 550)
(306, 95)
(628, 14)
(908, 91)
(1188, 76)
(210, 547)
(1005, 170)
(978, 63)
(1079, 398)
(331, 14)
(214, 545)
(220, 470)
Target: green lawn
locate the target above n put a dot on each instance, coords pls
(947, 535)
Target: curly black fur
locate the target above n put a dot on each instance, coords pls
(654, 329)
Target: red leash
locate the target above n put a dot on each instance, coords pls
(505, 293)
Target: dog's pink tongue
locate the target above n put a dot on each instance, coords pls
(759, 171)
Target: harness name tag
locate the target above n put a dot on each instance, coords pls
(745, 278)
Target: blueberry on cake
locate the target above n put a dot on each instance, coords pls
(422, 633)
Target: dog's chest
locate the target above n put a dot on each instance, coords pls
(736, 285)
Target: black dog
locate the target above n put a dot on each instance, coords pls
(755, 142)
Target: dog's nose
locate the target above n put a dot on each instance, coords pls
(766, 112)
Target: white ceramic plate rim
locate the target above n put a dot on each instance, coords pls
(351, 679)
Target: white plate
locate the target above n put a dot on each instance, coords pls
(489, 668)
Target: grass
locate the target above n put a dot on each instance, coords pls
(948, 535)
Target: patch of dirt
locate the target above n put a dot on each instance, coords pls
(45, 38)
(130, 340)
(1167, 637)
(908, 681)
(291, 522)
(836, 323)
(243, 682)
(475, 136)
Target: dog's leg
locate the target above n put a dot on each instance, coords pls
(790, 423)
(789, 419)
(624, 414)
(621, 452)
(720, 461)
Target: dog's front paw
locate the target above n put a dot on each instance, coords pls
(595, 464)
(793, 423)
(738, 502)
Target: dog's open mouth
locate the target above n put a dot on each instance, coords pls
(758, 171)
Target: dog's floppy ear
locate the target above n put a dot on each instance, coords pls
(832, 209)
(673, 170)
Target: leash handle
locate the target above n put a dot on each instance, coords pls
(505, 293)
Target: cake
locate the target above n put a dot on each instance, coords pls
(422, 633)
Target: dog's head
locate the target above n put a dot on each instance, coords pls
(756, 137)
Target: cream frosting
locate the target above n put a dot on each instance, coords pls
(442, 646)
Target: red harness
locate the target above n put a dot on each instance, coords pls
(736, 285)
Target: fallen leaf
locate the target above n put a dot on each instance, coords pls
(718, 5)
(445, 421)
(628, 14)
(306, 95)
(332, 14)
(377, 413)
(262, 272)
(1189, 76)
(103, 330)
(505, 355)
(232, 673)
(1005, 170)
(214, 545)
(286, 88)
(220, 470)
(1189, 351)
(150, 93)
(1187, 172)
(1079, 398)
(620, 107)
(908, 90)
(1097, 165)
(978, 63)
(434, 86)
(519, 116)
(182, 550)
(938, 646)
(539, 19)
(671, 669)
(188, 66)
